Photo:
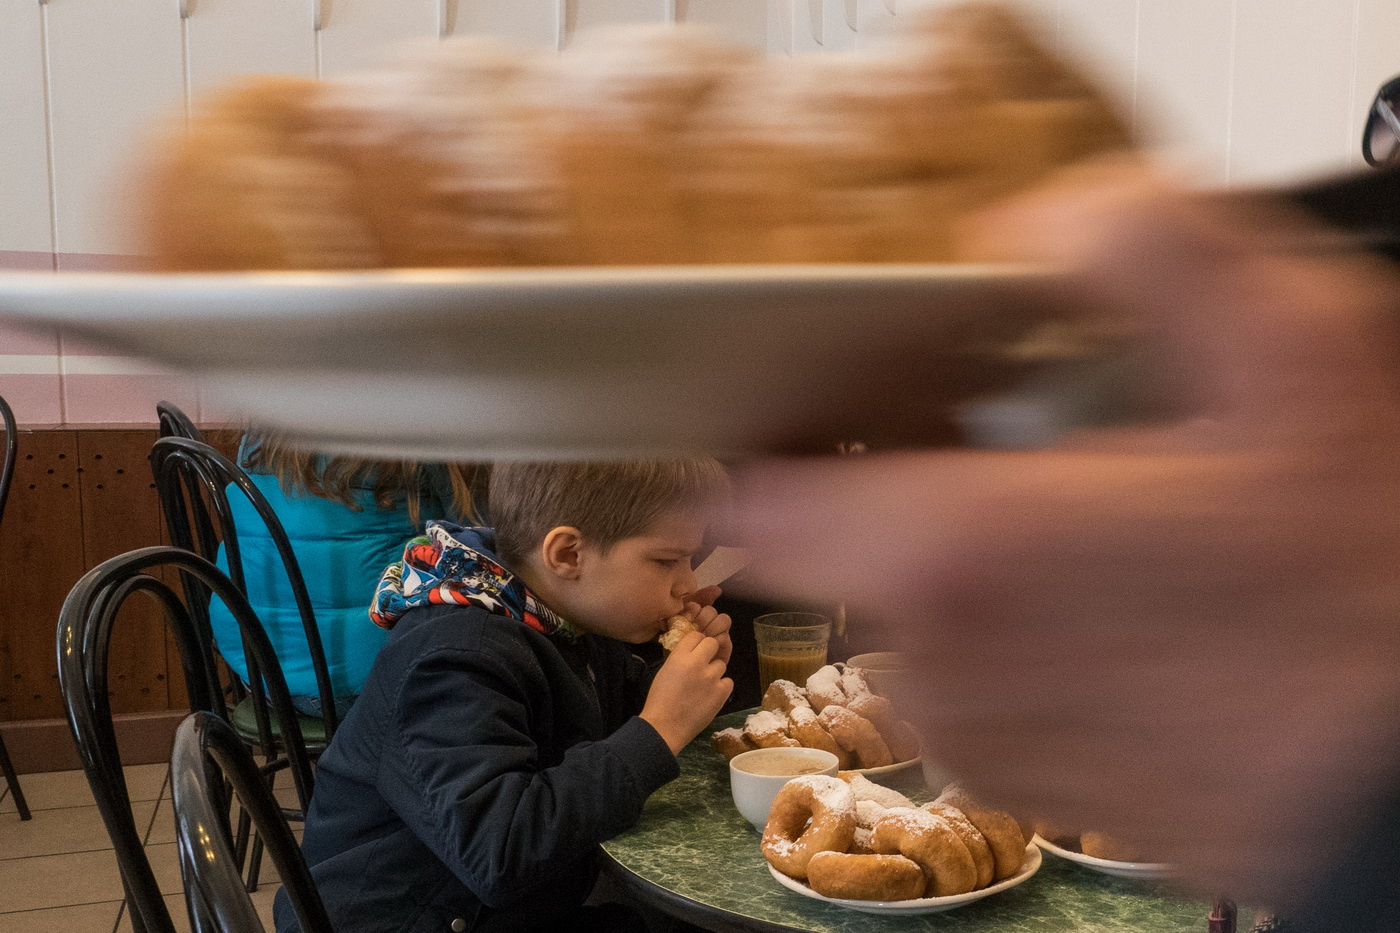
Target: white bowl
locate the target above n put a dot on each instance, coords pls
(882, 669)
(753, 793)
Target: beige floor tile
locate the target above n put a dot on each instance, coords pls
(262, 900)
(175, 903)
(87, 878)
(87, 918)
(52, 789)
(165, 865)
(66, 829)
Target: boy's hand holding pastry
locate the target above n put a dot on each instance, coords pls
(690, 687)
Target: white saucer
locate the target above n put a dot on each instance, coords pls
(1145, 870)
(922, 905)
(887, 769)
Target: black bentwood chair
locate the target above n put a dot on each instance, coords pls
(209, 759)
(7, 473)
(85, 626)
(194, 482)
(175, 423)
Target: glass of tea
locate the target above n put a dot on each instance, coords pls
(791, 646)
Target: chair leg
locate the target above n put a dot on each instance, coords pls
(255, 863)
(12, 779)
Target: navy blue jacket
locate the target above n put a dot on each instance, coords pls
(476, 776)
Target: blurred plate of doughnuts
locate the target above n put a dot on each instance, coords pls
(1144, 870)
(583, 362)
(922, 905)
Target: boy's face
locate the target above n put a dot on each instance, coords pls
(632, 589)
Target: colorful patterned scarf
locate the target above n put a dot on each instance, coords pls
(453, 565)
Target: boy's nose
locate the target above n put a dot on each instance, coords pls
(685, 584)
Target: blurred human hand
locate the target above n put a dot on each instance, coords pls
(1183, 634)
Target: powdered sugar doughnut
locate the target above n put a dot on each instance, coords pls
(783, 696)
(790, 840)
(807, 730)
(677, 627)
(731, 742)
(866, 789)
(858, 735)
(898, 735)
(865, 877)
(930, 841)
(854, 684)
(768, 729)
(971, 836)
(824, 688)
(1000, 829)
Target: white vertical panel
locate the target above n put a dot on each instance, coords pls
(1184, 83)
(1377, 60)
(875, 18)
(531, 22)
(232, 37)
(807, 21)
(1293, 89)
(840, 19)
(582, 14)
(114, 66)
(24, 161)
(742, 20)
(1103, 35)
(358, 34)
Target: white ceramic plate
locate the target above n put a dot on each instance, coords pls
(923, 905)
(1107, 866)
(572, 362)
(888, 769)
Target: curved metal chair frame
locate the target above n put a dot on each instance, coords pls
(193, 479)
(85, 627)
(175, 423)
(208, 759)
(7, 473)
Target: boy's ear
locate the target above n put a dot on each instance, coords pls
(560, 552)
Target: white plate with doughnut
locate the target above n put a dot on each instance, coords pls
(1144, 870)
(922, 905)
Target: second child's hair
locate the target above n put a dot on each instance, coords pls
(389, 481)
(605, 501)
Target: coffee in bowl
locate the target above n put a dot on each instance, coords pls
(756, 777)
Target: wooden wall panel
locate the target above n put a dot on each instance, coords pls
(120, 513)
(41, 557)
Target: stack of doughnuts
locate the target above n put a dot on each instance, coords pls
(847, 837)
(836, 711)
(642, 145)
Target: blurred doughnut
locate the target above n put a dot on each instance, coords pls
(972, 837)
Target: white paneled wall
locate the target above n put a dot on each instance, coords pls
(1239, 92)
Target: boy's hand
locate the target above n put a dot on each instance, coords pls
(712, 624)
(689, 689)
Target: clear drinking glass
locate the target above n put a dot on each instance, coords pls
(791, 646)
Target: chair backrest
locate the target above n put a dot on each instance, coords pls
(194, 482)
(7, 470)
(209, 758)
(175, 423)
(85, 626)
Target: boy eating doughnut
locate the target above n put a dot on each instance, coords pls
(506, 728)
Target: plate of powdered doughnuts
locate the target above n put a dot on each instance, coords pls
(1100, 852)
(835, 711)
(851, 842)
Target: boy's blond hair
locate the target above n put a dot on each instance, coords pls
(605, 501)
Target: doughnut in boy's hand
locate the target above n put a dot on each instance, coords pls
(676, 628)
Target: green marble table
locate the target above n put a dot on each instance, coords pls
(694, 856)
